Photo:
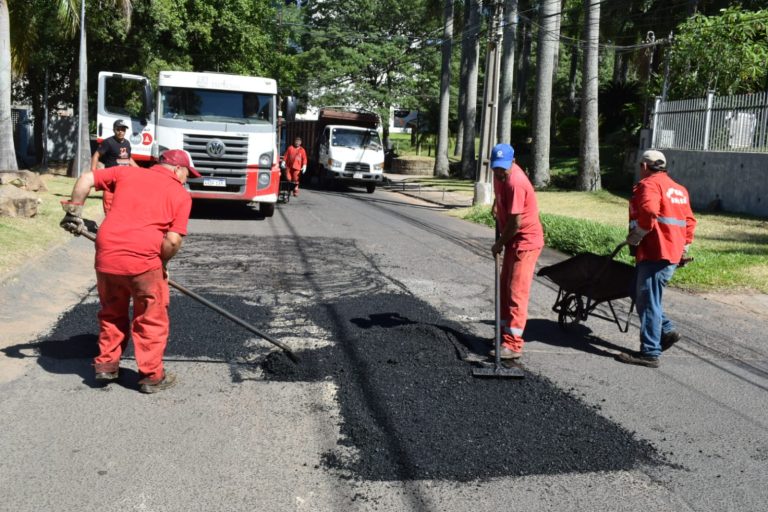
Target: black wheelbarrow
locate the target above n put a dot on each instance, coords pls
(285, 191)
(588, 280)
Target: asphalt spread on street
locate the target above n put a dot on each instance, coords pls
(410, 408)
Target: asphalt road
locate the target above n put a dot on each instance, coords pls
(387, 301)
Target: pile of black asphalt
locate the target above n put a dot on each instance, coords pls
(410, 407)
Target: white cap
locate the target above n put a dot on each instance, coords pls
(655, 159)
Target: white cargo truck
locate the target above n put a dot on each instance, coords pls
(228, 123)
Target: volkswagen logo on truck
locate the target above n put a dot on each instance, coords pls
(215, 148)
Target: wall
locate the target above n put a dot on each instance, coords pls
(738, 180)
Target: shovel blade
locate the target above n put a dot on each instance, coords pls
(499, 372)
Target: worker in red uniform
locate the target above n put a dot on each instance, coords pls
(141, 232)
(521, 238)
(295, 160)
(114, 150)
(661, 227)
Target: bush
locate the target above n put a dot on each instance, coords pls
(566, 234)
(574, 236)
(568, 132)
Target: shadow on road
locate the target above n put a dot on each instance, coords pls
(70, 355)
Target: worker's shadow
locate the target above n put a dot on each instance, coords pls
(73, 355)
(578, 337)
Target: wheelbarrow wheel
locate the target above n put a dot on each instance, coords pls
(571, 311)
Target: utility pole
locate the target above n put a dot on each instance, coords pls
(489, 119)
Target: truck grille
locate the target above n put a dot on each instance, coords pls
(217, 155)
(357, 167)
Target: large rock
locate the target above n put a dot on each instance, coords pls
(26, 180)
(413, 165)
(15, 202)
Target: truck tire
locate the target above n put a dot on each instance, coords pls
(370, 187)
(267, 209)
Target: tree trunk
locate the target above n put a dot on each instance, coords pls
(524, 69)
(542, 109)
(7, 150)
(506, 86)
(468, 159)
(556, 66)
(441, 153)
(464, 67)
(572, 78)
(589, 151)
(84, 146)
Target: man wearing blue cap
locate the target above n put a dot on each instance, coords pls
(521, 238)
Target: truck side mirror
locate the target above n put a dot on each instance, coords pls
(289, 108)
(149, 102)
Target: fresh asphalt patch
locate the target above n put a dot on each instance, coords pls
(410, 408)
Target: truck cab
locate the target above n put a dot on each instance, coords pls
(228, 124)
(351, 154)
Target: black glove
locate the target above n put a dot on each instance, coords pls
(73, 220)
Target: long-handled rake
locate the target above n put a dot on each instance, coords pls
(498, 369)
(205, 302)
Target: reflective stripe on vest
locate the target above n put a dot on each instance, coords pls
(671, 220)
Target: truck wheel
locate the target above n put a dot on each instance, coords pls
(370, 187)
(267, 209)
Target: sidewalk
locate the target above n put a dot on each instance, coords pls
(405, 184)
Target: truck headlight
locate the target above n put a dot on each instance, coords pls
(263, 180)
(378, 167)
(335, 164)
(265, 160)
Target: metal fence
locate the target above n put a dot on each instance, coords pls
(715, 123)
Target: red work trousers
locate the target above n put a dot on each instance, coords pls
(293, 176)
(515, 288)
(149, 329)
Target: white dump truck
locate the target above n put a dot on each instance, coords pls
(343, 145)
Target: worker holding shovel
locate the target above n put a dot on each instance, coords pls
(521, 239)
(141, 232)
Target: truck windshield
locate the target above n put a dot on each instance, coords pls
(349, 138)
(216, 106)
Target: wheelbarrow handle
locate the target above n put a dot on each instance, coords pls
(618, 249)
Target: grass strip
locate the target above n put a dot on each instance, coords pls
(25, 239)
(729, 250)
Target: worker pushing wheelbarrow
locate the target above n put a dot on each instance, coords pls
(588, 280)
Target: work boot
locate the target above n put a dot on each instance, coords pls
(668, 339)
(107, 377)
(148, 386)
(506, 353)
(638, 359)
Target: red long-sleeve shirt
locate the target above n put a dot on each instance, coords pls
(662, 207)
(295, 157)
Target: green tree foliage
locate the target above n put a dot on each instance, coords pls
(371, 53)
(725, 53)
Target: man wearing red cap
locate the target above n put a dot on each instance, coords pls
(521, 238)
(141, 232)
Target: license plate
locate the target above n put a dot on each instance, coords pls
(357, 176)
(213, 182)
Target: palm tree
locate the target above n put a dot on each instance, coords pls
(542, 109)
(472, 52)
(589, 151)
(441, 154)
(23, 44)
(507, 72)
(7, 151)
